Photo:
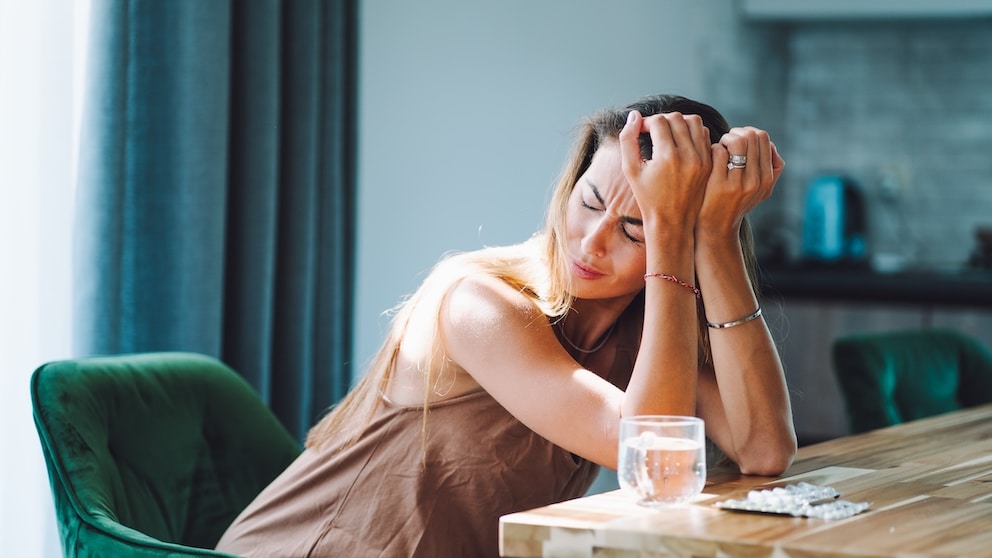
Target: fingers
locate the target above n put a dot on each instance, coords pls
(665, 132)
(764, 156)
(630, 150)
(700, 135)
(672, 135)
(685, 132)
(778, 163)
(720, 156)
(761, 156)
(733, 191)
(736, 143)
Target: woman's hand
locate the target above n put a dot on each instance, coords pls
(671, 184)
(732, 192)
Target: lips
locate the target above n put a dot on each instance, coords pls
(585, 272)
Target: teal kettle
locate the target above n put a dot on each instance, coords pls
(834, 221)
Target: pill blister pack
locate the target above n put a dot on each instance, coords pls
(798, 500)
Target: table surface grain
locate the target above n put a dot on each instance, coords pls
(928, 482)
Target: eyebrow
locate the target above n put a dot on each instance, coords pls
(625, 218)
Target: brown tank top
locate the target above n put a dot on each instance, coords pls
(385, 497)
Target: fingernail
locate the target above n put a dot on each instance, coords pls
(631, 115)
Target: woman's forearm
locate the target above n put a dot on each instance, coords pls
(664, 376)
(748, 370)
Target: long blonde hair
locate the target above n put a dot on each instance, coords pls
(537, 268)
(520, 266)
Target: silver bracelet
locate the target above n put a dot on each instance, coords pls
(743, 320)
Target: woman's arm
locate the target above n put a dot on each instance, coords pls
(506, 343)
(669, 189)
(744, 399)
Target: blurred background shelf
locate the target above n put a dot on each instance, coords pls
(965, 287)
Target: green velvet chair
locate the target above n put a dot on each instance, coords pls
(893, 377)
(153, 454)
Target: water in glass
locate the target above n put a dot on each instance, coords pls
(662, 459)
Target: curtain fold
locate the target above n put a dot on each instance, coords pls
(216, 188)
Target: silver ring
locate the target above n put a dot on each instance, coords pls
(737, 162)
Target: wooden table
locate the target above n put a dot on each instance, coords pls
(929, 483)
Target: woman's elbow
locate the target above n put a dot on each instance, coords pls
(768, 459)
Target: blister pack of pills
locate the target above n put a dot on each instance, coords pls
(798, 500)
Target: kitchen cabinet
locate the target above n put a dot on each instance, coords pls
(860, 9)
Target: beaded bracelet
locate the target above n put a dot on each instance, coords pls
(743, 320)
(675, 280)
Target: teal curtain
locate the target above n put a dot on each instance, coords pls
(216, 190)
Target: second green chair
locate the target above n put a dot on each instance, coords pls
(893, 377)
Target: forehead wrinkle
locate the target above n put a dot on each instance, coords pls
(599, 196)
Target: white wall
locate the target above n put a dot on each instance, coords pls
(466, 111)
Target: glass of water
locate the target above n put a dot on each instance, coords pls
(662, 459)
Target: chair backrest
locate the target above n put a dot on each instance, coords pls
(892, 377)
(153, 454)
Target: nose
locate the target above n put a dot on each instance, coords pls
(596, 238)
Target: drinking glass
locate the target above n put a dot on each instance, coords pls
(662, 458)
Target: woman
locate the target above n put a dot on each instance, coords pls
(502, 381)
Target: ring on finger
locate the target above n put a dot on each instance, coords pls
(737, 162)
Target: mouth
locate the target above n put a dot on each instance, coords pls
(585, 272)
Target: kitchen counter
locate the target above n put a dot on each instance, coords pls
(965, 287)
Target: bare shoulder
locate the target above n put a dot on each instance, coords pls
(482, 306)
(482, 296)
(477, 318)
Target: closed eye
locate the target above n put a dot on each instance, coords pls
(630, 237)
(589, 207)
(624, 220)
(623, 224)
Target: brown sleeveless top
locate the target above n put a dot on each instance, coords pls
(381, 498)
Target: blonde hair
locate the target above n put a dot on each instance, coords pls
(521, 266)
(537, 268)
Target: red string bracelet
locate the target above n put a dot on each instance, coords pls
(675, 280)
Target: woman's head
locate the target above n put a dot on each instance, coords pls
(600, 129)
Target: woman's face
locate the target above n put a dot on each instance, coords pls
(603, 228)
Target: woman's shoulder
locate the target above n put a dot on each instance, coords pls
(483, 298)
